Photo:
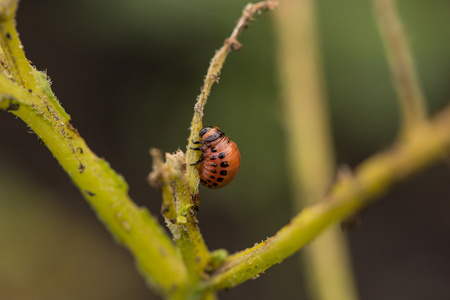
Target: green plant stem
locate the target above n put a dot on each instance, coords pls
(179, 212)
(105, 190)
(310, 151)
(426, 145)
(185, 189)
(411, 100)
(30, 98)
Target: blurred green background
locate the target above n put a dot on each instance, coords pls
(128, 73)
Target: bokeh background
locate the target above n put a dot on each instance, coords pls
(128, 73)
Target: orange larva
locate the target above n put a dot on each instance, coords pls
(220, 159)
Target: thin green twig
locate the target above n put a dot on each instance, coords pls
(180, 190)
(212, 76)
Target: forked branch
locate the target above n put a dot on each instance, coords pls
(180, 187)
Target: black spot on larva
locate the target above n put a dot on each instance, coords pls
(213, 157)
(208, 145)
(213, 149)
(215, 184)
(203, 181)
(213, 171)
(8, 36)
(89, 193)
(222, 155)
(208, 180)
(224, 164)
(214, 165)
(223, 172)
(212, 177)
(220, 179)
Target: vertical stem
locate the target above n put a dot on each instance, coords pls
(310, 154)
(178, 212)
(410, 96)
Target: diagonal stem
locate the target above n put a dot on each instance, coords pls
(427, 144)
(26, 93)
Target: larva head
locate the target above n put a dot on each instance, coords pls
(209, 134)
